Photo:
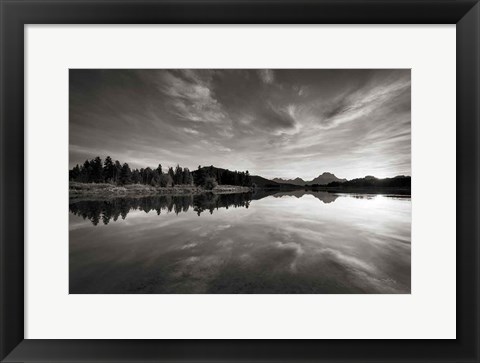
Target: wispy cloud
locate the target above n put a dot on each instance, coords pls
(362, 103)
(266, 75)
(191, 97)
(190, 131)
(281, 123)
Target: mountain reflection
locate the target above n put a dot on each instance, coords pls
(325, 197)
(106, 210)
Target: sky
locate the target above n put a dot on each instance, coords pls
(283, 123)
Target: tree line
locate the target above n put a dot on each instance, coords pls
(113, 172)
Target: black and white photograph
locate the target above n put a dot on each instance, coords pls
(240, 181)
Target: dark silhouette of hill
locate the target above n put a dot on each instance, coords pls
(266, 183)
(400, 181)
(325, 179)
(322, 179)
(296, 181)
(208, 177)
(226, 176)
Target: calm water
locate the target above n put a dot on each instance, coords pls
(300, 242)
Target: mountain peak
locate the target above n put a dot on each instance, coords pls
(325, 178)
(322, 179)
(296, 181)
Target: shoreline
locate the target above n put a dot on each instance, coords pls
(105, 191)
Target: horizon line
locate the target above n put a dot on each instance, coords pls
(256, 174)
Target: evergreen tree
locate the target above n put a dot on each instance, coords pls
(108, 170)
(178, 175)
(156, 178)
(147, 176)
(171, 173)
(117, 171)
(136, 178)
(235, 178)
(125, 174)
(85, 176)
(200, 176)
(187, 177)
(74, 174)
(248, 179)
(97, 170)
(166, 180)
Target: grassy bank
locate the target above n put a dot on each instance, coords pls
(103, 190)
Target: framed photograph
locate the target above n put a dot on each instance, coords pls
(240, 181)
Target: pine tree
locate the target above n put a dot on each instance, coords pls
(156, 178)
(117, 170)
(187, 177)
(85, 175)
(136, 178)
(125, 174)
(171, 173)
(178, 175)
(248, 179)
(108, 170)
(147, 176)
(97, 170)
(74, 174)
(199, 176)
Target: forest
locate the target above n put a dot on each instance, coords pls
(113, 172)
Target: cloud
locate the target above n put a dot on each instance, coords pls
(191, 97)
(359, 104)
(283, 123)
(215, 146)
(190, 131)
(350, 262)
(266, 75)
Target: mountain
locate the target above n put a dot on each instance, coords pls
(296, 181)
(322, 179)
(264, 183)
(400, 181)
(225, 176)
(325, 179)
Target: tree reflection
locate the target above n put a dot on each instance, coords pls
(107, 210)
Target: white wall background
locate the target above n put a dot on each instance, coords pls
(429, 312)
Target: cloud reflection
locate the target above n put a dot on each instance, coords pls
(277, 245)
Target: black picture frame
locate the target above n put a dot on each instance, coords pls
(15, 14)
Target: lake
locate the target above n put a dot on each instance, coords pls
(300, 242)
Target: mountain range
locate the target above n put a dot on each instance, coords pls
(322, 179)
(325, 179)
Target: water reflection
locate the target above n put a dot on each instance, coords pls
(301, 242)
(112, 209)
